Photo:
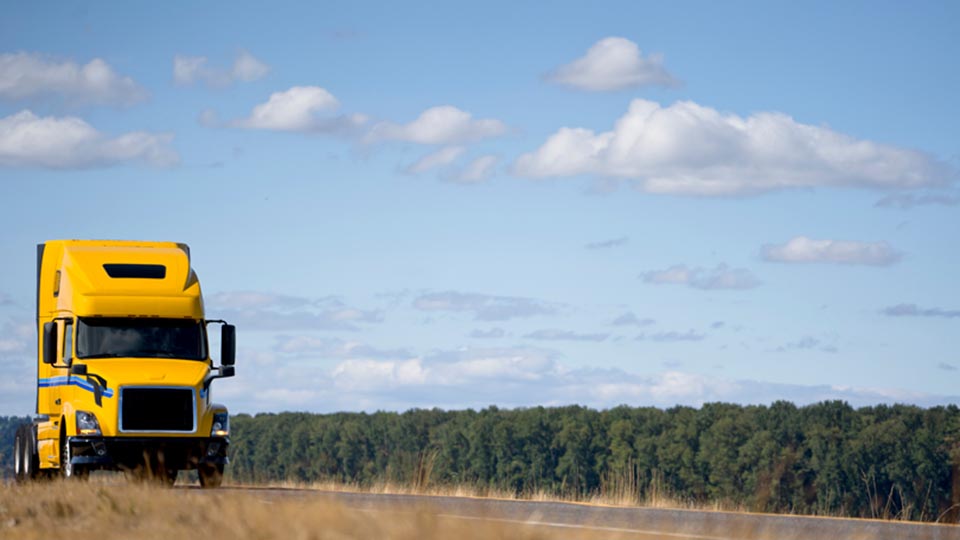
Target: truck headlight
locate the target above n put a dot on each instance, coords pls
(87, 423)
(221, 425)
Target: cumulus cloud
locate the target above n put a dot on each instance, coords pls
(614, 242)
(551, 334)
(520, 377)
(444, 125)
(27, 140)
(720, 277)
(484, 307)
(440, 158)
(807, 250)
(192, 69)
(301, 109)
(25, 75)
(261, 311)
(613, 63)
(689, 149)
(912, 310)
(477, 171)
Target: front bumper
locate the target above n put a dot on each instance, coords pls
(175, 453)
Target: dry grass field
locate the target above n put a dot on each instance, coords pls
(628, 500)
(115, 509)
(109, 507)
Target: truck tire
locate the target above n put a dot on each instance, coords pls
(211, 475)
(67, 470)
(19, 455)
(31, 462)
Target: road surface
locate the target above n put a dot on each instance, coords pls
(640, 523)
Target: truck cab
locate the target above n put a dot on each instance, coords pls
(124, 370)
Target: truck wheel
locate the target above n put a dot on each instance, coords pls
(31, 462)
(211, 475)
(18, 455)
(68, 470)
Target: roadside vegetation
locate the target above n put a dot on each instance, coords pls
(119, 510)
(889, 462)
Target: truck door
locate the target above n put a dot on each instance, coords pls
(53, 381)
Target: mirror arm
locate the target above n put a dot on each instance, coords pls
(217, 373)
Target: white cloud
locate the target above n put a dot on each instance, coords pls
(299, 109)
(191, 69)
(291, 110)
(477, 171)
(27, 140)
(438, 125)
(450, 369)
(613, 63)
(806, 250)
(440, 158)
(689, 149)
(506, 377)
(720, 277)
(527, 377)
(27, 75)
(260, 311)
(248, 68)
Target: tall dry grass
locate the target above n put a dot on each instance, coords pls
(120, 510)
(621, 498)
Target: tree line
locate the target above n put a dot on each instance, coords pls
(826, 459)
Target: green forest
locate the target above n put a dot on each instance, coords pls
(825, 459)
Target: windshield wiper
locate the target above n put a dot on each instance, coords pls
(101, 355)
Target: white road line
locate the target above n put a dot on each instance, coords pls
(589, 527)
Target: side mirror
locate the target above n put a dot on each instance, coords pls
(228, 344)
(50, 343)
(78, 369)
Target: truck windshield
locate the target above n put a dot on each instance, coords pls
(141, 338)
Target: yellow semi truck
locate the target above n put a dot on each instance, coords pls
(123, 365)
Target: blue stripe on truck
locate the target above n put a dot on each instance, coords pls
(74, 381)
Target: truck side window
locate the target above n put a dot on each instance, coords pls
(67, 342)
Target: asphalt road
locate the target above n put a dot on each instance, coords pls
(640, 522)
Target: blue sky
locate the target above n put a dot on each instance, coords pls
(512, 204)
